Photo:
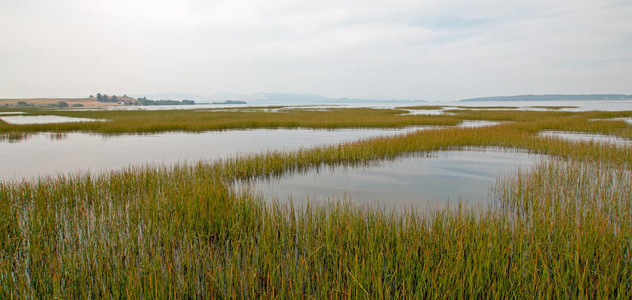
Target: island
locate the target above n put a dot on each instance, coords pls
(553, 97)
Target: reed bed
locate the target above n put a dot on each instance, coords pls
(423, 107)
(120, 122)
(561, 229)
(553, 107)
(141, 122)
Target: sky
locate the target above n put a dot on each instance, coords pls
(437, 50)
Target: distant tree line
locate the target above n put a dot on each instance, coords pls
(105, 98)
(145, 101)
(141, 101)
(24, 104)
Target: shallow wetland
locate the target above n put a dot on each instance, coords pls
(556, 222)
(418, 182)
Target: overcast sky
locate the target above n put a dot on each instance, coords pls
(434, 50)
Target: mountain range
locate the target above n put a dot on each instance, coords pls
(287, 98)
(262, 98)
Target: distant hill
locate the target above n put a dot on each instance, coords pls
(313, 99)
(171, 96)
(278, 97)
(283, 98)
(557, 97)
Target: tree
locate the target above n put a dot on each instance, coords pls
(62, 104)
(99, 97)
(114, 99)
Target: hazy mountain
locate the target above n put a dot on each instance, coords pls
(278, 97)
(557, 97)
(272, 97)
(286, 98)
(230, 96)
(283, 98)
(269, 97)
(170, 96)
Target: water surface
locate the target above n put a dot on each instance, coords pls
(49, 154)
(410, 181)
(23, 120)
(477, 123)
(587, 137)
(609, 105)
(425, 112)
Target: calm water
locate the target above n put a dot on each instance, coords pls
(49, 154)
(477, 123)
(618, 105)
(410, 181)
(22, 120)
(417, 181)
(587, 137)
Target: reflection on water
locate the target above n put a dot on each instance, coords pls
(477, 123)
(587, 137)
(425, 112)
(627, 120)
(50, 154)
(417, 181)
(24, 120)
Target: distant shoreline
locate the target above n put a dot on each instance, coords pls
(552, 97)
(44, 102)
(230, 102)
(85, 102)
(92, 101)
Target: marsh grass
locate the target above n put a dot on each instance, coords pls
(423, 107)
(560, 230)
(486, 107)
(135, 122)
(572, 220)
(553, 107)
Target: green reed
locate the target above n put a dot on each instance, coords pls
(561, 229)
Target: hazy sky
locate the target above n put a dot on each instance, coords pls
(435, 50)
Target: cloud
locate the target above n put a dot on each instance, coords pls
(373, 49)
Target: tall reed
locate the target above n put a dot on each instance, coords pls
(561, 229)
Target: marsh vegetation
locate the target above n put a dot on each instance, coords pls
(561, 229)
